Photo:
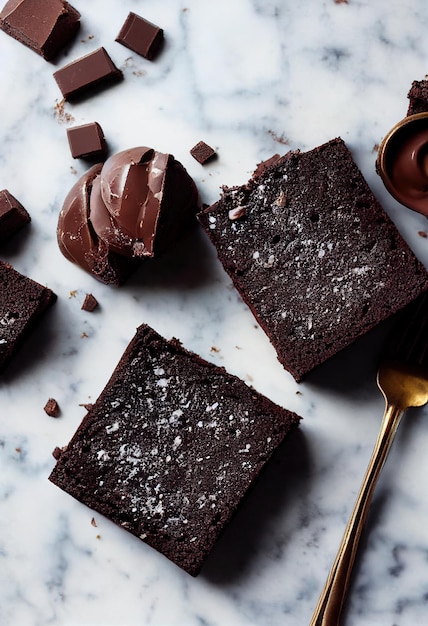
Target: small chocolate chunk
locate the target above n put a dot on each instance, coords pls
(202, 152)
(13, 216)
(52, 408)
(92, 70)
(141, 36)
(90, 303)
(87, 142)
(45, 27)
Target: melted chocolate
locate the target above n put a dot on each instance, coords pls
(403, 162)
(132, 207)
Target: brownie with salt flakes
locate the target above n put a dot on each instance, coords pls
(23, 302)
(313, 254)
(170, 448)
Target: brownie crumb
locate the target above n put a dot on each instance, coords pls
(93, 522)
(90, 303)
(52, 408)
(423, 234)
(202, 152)
(57, 451)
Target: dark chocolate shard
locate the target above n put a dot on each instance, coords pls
(91, 71)
(141, 36)
(45, 27)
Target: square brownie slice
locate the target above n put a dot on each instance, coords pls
(312, 253)
(171, 447)
(22, 302)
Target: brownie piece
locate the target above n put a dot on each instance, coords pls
(170, 448)
(141, 36)
(313, 254)
(45, 27)
(13, 216)
(418, 97)
(22, 303)
(84, 75)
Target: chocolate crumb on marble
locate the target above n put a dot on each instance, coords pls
(171, 447)
(52, 408)
(202, 152)
(87, 73)
(90, 303)
(13, 216)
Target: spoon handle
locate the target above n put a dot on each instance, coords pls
(332, 598)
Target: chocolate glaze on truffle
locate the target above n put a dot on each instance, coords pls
(132, 207)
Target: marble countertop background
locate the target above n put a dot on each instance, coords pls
(251, 78)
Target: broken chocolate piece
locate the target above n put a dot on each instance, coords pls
(141, 36)
(86, 73)
(13, 216)
(90, 303)
(45, 27)
(202, 152)
(87, 142)
(52, 408)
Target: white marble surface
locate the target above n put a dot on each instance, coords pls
(251, 78)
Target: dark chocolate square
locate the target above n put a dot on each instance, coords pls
(87, 142)
(87, 73)
(141, 36)
(202, 152)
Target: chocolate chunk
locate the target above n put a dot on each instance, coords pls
(52, 408)
(13, 216)
(141, 36)
(133, 207)
(202, 152)
(45, 27)
(87, 142)
(86, 73)
(90, 303)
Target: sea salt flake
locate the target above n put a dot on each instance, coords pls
(112, 428)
